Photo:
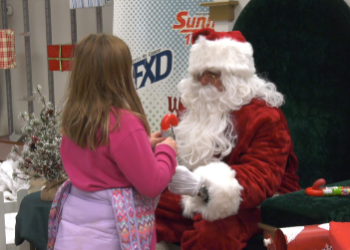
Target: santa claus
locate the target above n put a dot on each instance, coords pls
(234, 144)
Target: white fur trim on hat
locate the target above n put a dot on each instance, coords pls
(224, 54)
(224, 193)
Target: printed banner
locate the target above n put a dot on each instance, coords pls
(78, 4)
(158, 34)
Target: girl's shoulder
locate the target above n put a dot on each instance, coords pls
(128, 121)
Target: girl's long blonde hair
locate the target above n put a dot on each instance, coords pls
(101, 79)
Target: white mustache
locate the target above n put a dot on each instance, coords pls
(207, 93)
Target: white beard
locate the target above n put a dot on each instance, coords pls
(206, 132)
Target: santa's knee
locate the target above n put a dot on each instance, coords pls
(223, 234)
(210, 239)
(163, 245)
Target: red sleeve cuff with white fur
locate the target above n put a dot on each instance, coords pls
(224, 193)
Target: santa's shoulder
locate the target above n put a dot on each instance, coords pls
(256, 110)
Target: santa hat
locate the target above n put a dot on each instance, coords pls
(224, 51)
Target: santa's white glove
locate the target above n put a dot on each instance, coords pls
(185, 182)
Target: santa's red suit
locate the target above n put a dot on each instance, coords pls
(264, 163)
(261, 164)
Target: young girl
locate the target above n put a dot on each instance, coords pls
(116, 168)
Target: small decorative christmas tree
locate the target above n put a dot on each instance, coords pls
(41, 154)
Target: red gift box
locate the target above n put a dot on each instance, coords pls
(315, 237)
(7, 49)
(339, 235)
(60, 57)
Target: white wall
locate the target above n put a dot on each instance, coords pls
(61, 34)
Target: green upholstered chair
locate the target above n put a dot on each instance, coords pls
(303, 46)
(32, 221)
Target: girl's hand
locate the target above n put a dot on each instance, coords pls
(171, 142)
(156, 138)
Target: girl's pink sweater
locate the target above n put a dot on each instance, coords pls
(127, 161)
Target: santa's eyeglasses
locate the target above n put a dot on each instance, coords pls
(209, 76)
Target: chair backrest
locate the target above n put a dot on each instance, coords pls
(303, 46)
(9, 207)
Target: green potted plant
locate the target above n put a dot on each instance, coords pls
(40, 157)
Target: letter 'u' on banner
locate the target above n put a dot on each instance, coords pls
(159, 34)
